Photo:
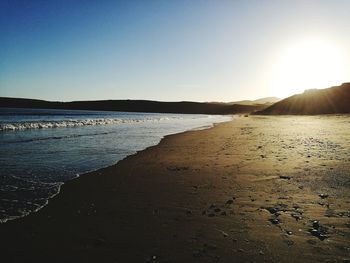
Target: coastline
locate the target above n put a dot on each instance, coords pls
(197, 196)
(25, 206)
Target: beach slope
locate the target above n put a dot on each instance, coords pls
(256, 189)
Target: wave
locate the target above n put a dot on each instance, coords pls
(72, 123)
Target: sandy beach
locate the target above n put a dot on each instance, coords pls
(256, 189)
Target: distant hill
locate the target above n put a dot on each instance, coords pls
(186, 107)
(267, 100)
(312, 102)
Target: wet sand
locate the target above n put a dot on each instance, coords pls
(256, 189)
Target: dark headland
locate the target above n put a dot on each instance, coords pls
(334, 100)
(186, 107)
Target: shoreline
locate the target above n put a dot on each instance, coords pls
(197, 196)
(61, 184)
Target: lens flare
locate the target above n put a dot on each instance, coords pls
(308, 64)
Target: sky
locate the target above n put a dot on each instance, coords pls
(197, 50)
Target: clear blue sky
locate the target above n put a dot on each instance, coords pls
(162, 50)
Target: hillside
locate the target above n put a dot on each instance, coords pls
(134, 106)
(313, 102)
(266, 101)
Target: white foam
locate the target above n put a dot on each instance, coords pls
(72, 123)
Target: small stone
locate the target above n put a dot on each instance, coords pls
(272, 210)
(289, 232)
(319, 233)
(322, 237)
(323, 196)
(316, 224)
(274, 221)
(261, 252)
(296, 216)
(224, 234)
(285, 177)
(314, 232)
(344, 214)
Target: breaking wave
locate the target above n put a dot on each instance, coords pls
(71, 123)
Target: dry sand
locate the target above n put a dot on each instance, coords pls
(243, 191)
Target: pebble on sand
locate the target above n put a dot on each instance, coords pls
(323, 196)
(285, 177)
(274, 221)
(318, 230)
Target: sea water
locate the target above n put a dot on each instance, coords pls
(41, 149)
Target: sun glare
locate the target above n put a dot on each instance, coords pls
(308, 64)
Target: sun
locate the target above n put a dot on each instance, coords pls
(308, 64)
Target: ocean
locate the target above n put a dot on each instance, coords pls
(41, 149)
